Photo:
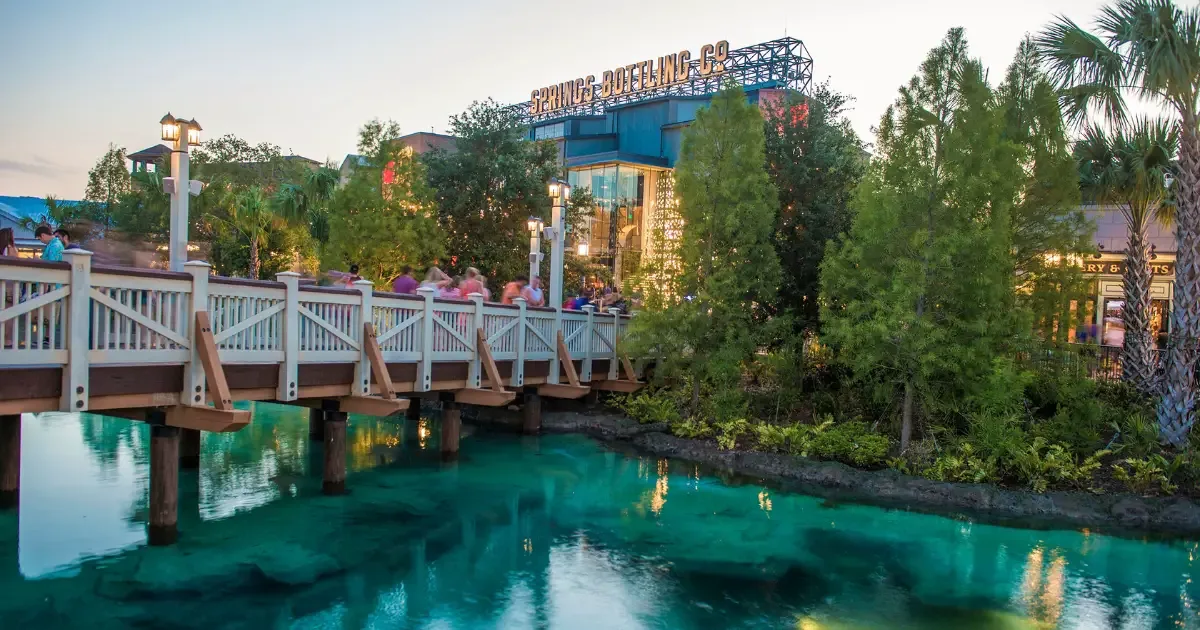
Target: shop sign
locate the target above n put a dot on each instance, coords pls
(634, 78)
(1117, 267)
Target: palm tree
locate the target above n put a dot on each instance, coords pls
(307, 201)
(250, 213)
(1152, 48)
(1129, 169)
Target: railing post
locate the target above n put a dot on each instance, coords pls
(362, 371)
(289, 370)
(555, 368)
(616, 333)
(585, 375)
(193, 373)
(425, 371)
(518, 371)
(75, 373)
(474, 376)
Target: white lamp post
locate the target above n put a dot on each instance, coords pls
(183, 133)
(560, 194)
(535, 246)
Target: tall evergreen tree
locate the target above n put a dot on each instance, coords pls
(108, 180)
(1049, 230)
(727, 265)
(815, 160)
(918, 299)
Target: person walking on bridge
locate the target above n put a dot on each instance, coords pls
(513, 289)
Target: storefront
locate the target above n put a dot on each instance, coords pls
(1106, 308)
(619, 135)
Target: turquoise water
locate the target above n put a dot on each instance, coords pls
(549, 532)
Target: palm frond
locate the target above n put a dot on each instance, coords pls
(1088, 71)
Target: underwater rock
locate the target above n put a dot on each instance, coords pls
(293, 565)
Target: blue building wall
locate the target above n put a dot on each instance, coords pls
(648, 132)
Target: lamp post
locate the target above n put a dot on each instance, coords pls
(535, 246)
(183, 133)
(560, 194)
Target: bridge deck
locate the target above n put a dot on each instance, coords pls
(78, 337)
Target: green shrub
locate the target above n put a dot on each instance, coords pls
(1068, 411)
(795, 439)
(692, 428)
(996, 435)
(964, 465)
(1042, 464)
(729, 431)
(850, 443)
(650, 407)
(1142, 474)
(1137, 434)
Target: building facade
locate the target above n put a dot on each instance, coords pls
(1104, 308)
(619, 133)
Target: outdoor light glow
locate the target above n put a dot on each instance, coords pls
(534, 224)
(554, 189)
(582, 249)
(193, 135)
(170, 128)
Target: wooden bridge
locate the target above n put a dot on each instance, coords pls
(176, 349)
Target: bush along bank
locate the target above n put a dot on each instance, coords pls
(1072, 453)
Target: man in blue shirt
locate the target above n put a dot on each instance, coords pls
(54, 247)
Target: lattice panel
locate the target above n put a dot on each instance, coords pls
(326, 327)
(34, 315)
(247, 323)
(139, 319)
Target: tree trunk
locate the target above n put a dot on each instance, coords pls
(254, 258)
(907, 417)
(1179, 393)
(1137, 363)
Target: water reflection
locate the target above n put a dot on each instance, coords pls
(522, 533)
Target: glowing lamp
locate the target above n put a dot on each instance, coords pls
(193, 133)
(582, 248)
(170, 128)
(534, 225)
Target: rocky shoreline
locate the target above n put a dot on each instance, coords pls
(1120, 514)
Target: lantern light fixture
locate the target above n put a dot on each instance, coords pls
(170, 128)
(582, 248)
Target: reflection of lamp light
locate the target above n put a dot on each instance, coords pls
(582, 248)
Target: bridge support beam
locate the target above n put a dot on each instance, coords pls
(164, 484)
(189, 448)
(10, 461)
(532, 424)
(316, 425)
(335, 453)
(451, 427)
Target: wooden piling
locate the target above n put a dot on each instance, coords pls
(414, 409)
(533, 413)
(451, 426)
(164, 484)
(316, 425)
(592, 399)
(189, 448)
(10, 461)
(335, 453)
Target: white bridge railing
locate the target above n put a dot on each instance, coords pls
(76, 316)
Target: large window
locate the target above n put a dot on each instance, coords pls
(548, 132)
(615, 231)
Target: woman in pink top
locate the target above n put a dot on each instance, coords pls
(451, 291)
(471, 283)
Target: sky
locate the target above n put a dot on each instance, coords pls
(77, 76)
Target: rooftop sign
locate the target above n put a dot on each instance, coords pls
(635, 78)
